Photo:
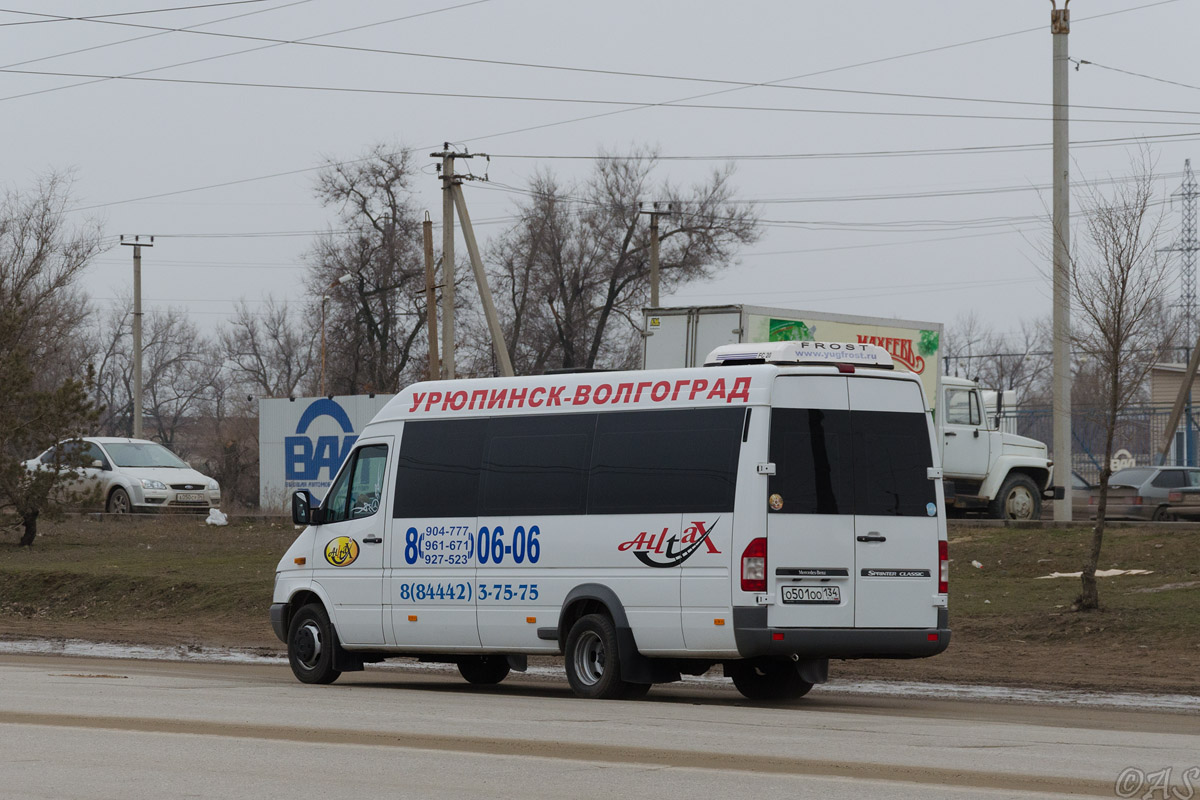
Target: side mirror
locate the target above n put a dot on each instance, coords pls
(97, 464)
(303, 512)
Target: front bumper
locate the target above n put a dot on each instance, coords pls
(754, 638)
(279, 620)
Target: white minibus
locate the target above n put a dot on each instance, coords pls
(775, 509)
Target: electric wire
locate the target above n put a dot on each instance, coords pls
(106, 17)
(618, 73)
(579, 100)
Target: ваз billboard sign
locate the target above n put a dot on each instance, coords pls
(303, 441)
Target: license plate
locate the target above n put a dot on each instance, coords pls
(828, 595)
(189, 497)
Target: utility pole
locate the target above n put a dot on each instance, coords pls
(136, 401)
(447, 173)
(1060, 28)
(452, 197)
(485, 292)
(430, 302)
(654, 210)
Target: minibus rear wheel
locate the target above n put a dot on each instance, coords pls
(483, 670)
(593, 663)
(770, 679)
(311, 643)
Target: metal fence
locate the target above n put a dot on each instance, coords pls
(1140, 431)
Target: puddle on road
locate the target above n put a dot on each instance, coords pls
(940, 691)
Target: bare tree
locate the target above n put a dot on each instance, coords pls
(966, 340)
(1018, 361)
(45, 398)
(572, 275)
(374, 321)
(1120, 279)
(267, 352)
(180, 367)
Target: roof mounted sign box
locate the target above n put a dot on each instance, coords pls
(859, 355)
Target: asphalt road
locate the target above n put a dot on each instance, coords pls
(98, 728)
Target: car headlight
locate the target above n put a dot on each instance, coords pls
(148, 483)
(213, 486)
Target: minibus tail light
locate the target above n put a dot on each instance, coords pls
(943, 567)
(754, 566)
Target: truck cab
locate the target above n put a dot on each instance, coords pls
(985, 469)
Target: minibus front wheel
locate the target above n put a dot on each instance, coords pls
(311, 644)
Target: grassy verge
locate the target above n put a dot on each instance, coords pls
(176, 580)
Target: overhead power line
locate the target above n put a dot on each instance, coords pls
(106, 17)
(607, 72)
(582, 100)
(219, 55)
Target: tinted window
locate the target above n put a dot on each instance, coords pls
(851, 462)
(1130, 477)
(655, 462)
(437, 471)
(892, 457)
(1170, 479)
(537, 465)
(811, 451)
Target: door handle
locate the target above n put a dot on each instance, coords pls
(951, 433)
(372, 540)
(872, 538)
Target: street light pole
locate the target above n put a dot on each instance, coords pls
(325, 299)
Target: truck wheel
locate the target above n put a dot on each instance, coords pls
(592, 661)
(772, 679)
(310, 645)
(1017, 499)
(483, 670)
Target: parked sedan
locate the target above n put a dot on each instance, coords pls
(135, 475)
(1144, 492)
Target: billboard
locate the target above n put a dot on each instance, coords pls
(912, 349)
(302, 441)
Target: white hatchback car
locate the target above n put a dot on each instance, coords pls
(136, 475)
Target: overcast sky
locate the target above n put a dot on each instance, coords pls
(856, 221)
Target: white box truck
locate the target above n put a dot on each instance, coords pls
(985, 469)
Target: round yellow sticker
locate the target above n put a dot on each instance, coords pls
(341, 551)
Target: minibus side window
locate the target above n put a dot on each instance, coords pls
(335, 499)
(658, 462)
(437, 471)
(366, 488)
(538, 465)
(811, 452)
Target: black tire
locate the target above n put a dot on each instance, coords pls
(1018, 499)
(1163, 514)
(483, 670)
(118, 502)
(772, 679)
(592, 660)
(311, 642)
